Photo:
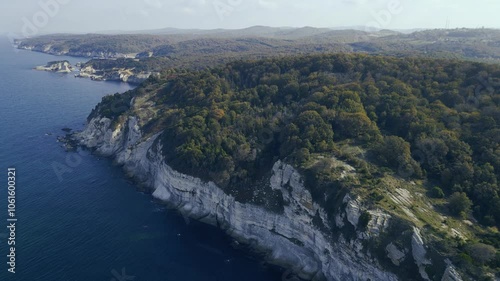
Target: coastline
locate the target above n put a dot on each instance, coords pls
(115, 74)
(290, 240)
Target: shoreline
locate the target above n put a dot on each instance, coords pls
(110, 75)
(289, 240)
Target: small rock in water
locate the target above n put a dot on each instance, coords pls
(68, 143)
(235, 244)
(67, 130)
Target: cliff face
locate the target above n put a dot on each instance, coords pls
(114, 74)
(56, 66)
(291, 238)
(50, 49)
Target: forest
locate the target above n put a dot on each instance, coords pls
(471, 44)
(430, 121)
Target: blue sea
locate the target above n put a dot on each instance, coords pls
(78, 217)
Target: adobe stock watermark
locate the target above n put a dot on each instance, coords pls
(429, 151)
(148, 7)
(71, 162)
(289, 275)
(121, 276)
(383, 18)
(224, 8)
(487, 85)
(31, 26)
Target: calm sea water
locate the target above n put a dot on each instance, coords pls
(90, 223)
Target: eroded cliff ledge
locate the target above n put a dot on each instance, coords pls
(299, 237)
(57, 66)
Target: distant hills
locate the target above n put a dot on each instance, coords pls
(153, 51)
(262, 41)
(258, 30)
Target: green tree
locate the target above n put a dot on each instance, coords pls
(437, 192)
(459, 204)
(395, 152)
(481, 253)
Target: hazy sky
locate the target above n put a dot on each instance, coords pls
(48, 16)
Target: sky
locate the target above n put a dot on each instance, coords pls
(35, 17)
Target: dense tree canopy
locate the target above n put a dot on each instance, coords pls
(431, 121)
(427, 119)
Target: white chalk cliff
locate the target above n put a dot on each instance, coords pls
(50, 49)
(56, 66)
(115, 74)
(290, 239)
